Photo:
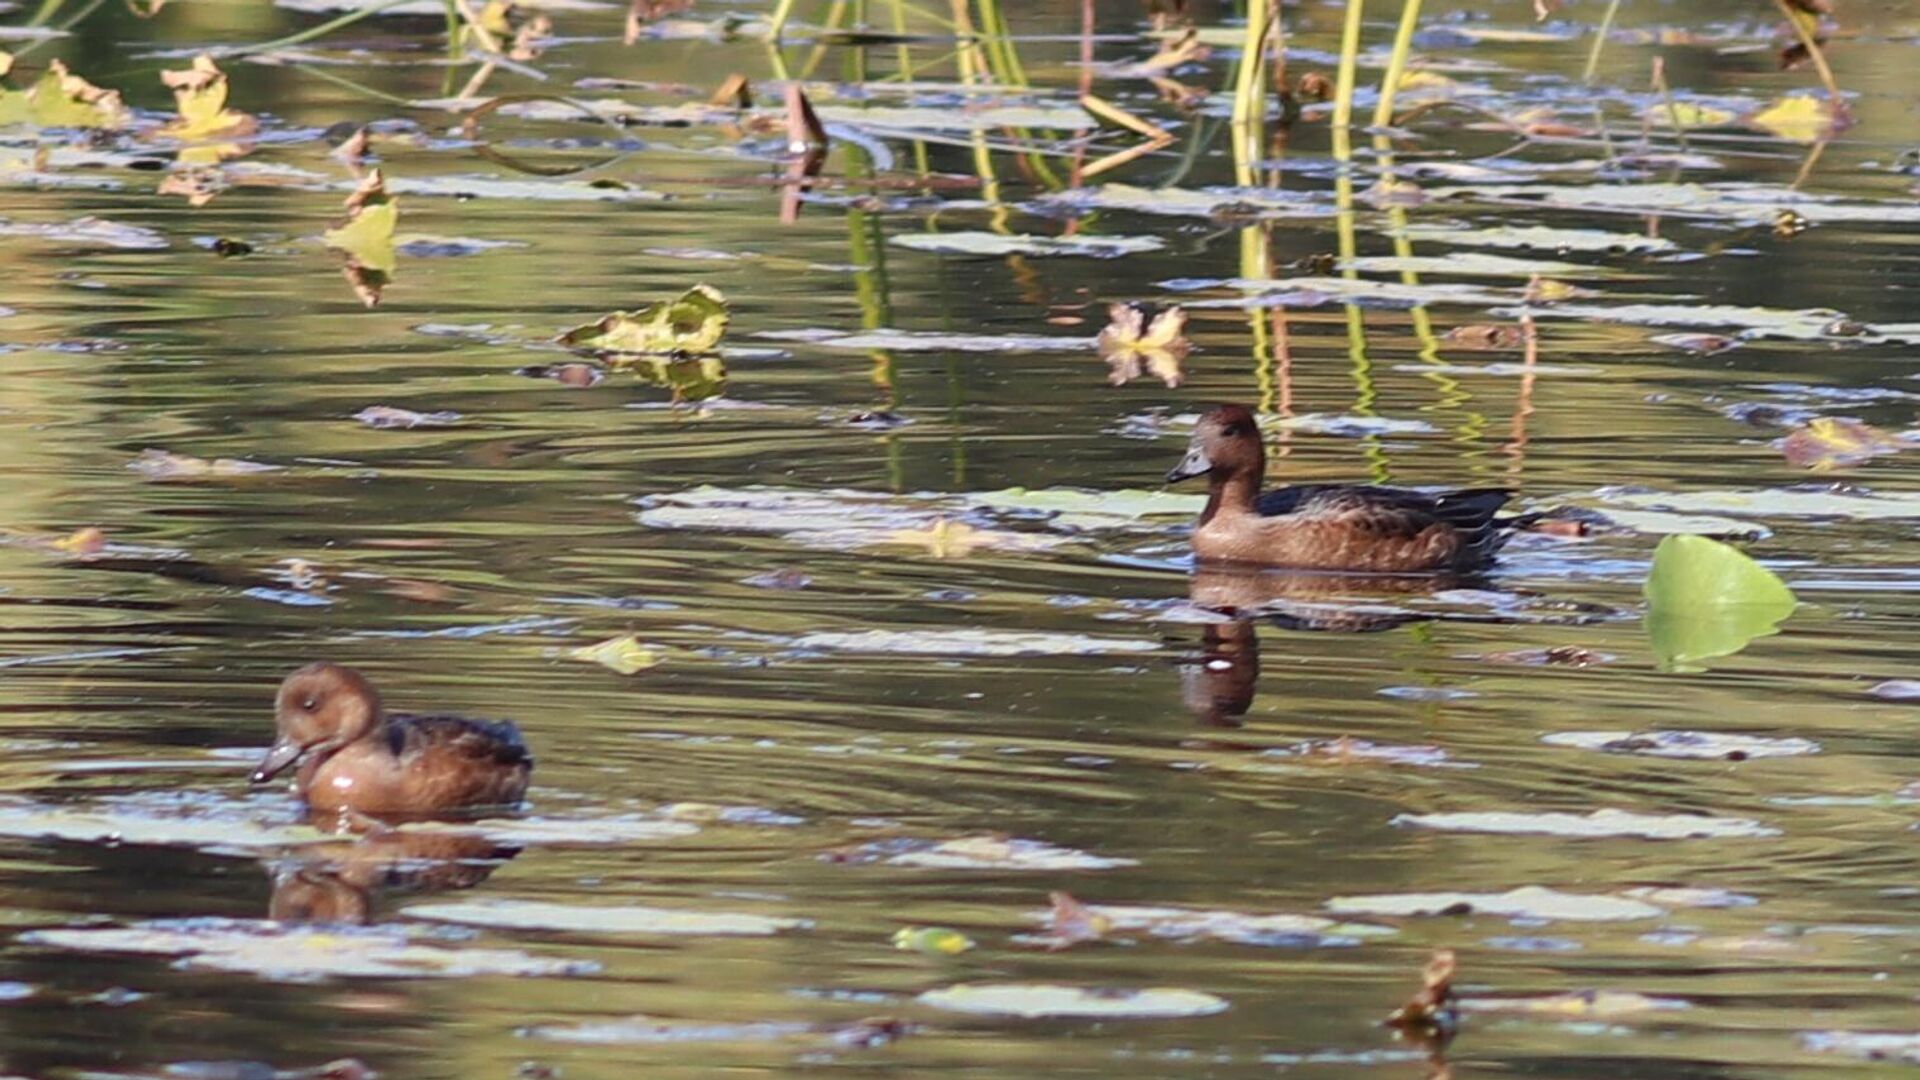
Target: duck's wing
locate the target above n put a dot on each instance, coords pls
(489, 742)
(1390, 511)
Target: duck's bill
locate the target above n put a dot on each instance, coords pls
(278, 760)
(1196, 463)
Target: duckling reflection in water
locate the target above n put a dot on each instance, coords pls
(338, 883)
(356, 759)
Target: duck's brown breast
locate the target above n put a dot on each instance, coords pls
(421, 765)
(1305, 543)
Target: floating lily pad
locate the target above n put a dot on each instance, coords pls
(1033, 1001)
(932, 341)
(1866, 1045)
(1540, 238)
(566, 832)
(89, 231)
(1469, 264)
(1576, 1004)
(981, 117)
(1599, 823)
(940, 641)
(1527, 902)
(647, 1029)
(976, 853)
(205, 827)
(691, 324)
(1842, 503)
(1190, 924)
(1187, 202)
(302, 954)
(997, 244)
(1683, 744)
(1707, 599)
(534, 915)
(1684, 897)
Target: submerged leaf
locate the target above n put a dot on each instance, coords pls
(1802, 119)
(932, 940)
(624, 654)
(1708, 599)
(693, 323)
(1831, 442)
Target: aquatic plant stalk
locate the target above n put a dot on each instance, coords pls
(1812, 45)
(311, 32)
(1397, 63)
(1250, 92)
(1344, 84)
(778, 23)
(1600, 40)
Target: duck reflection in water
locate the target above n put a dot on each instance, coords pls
(339, 882)
(1220, 688)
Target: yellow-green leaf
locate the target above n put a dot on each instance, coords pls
(693, 323)
(367, 234)
(200, 94)
(60, 99)
(624, 654)
(1831, 442)
(1687, 115)
(1708, 599)
(932, 940)
(1800, 119)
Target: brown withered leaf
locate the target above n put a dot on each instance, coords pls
(1313, 86)
(1185, 49)
(1071, 922)
(197, 183)
(1487, 337)
(1134, 347)
(642, 12)
(200, 94)
(1832, 442)
(1432, 1014)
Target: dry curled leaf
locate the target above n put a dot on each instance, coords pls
(1432, 1013)
(366, 236)
(1486, 337)
(1132, 346)
(1070, 922)
(1833, 442)
(59, 99)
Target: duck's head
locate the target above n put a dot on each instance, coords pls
(322, 706)
(1226, 441)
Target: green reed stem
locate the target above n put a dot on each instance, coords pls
(1344, 84)
(1250, 92)
(778, 25)
(1600, 40)
(1397, 64)
(311, 32)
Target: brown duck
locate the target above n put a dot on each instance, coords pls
(1329, 527)
(356, 758)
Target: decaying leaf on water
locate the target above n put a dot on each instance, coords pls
(1688, 115)
(1532, 902)
(200, 95)
(1703, 745)
(1133, 347)
(986, 852)
(91, 540)
(932, 940)
(1174, 52)
(578, 376)
(1486, 337)
(366, 236)
(1553, 656)
(691, 324)
(993, 244)
(59, 99)
(166, 465)
(1430, 1014)
(1070, 922)
(624, 654)
(1833, 442)
(946, 538)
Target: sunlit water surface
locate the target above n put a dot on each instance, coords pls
(956, 667)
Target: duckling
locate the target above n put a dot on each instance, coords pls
(1329, 527)
(355, 758)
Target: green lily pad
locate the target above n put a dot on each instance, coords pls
(693, 323)
(1708, 599)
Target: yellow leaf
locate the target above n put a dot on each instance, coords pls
(1428, 83)
(624, 654)
(87, 541)
(1831, 442)
(933, 940)
(1687, 115)
(200, 95)
(693, 323)
(944, 539)
(1800, 119)
(61, 99)
(367, 234)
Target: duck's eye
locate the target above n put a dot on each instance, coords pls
(1233, 431)
(310, 704)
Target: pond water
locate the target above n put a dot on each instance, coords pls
(917, 638)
